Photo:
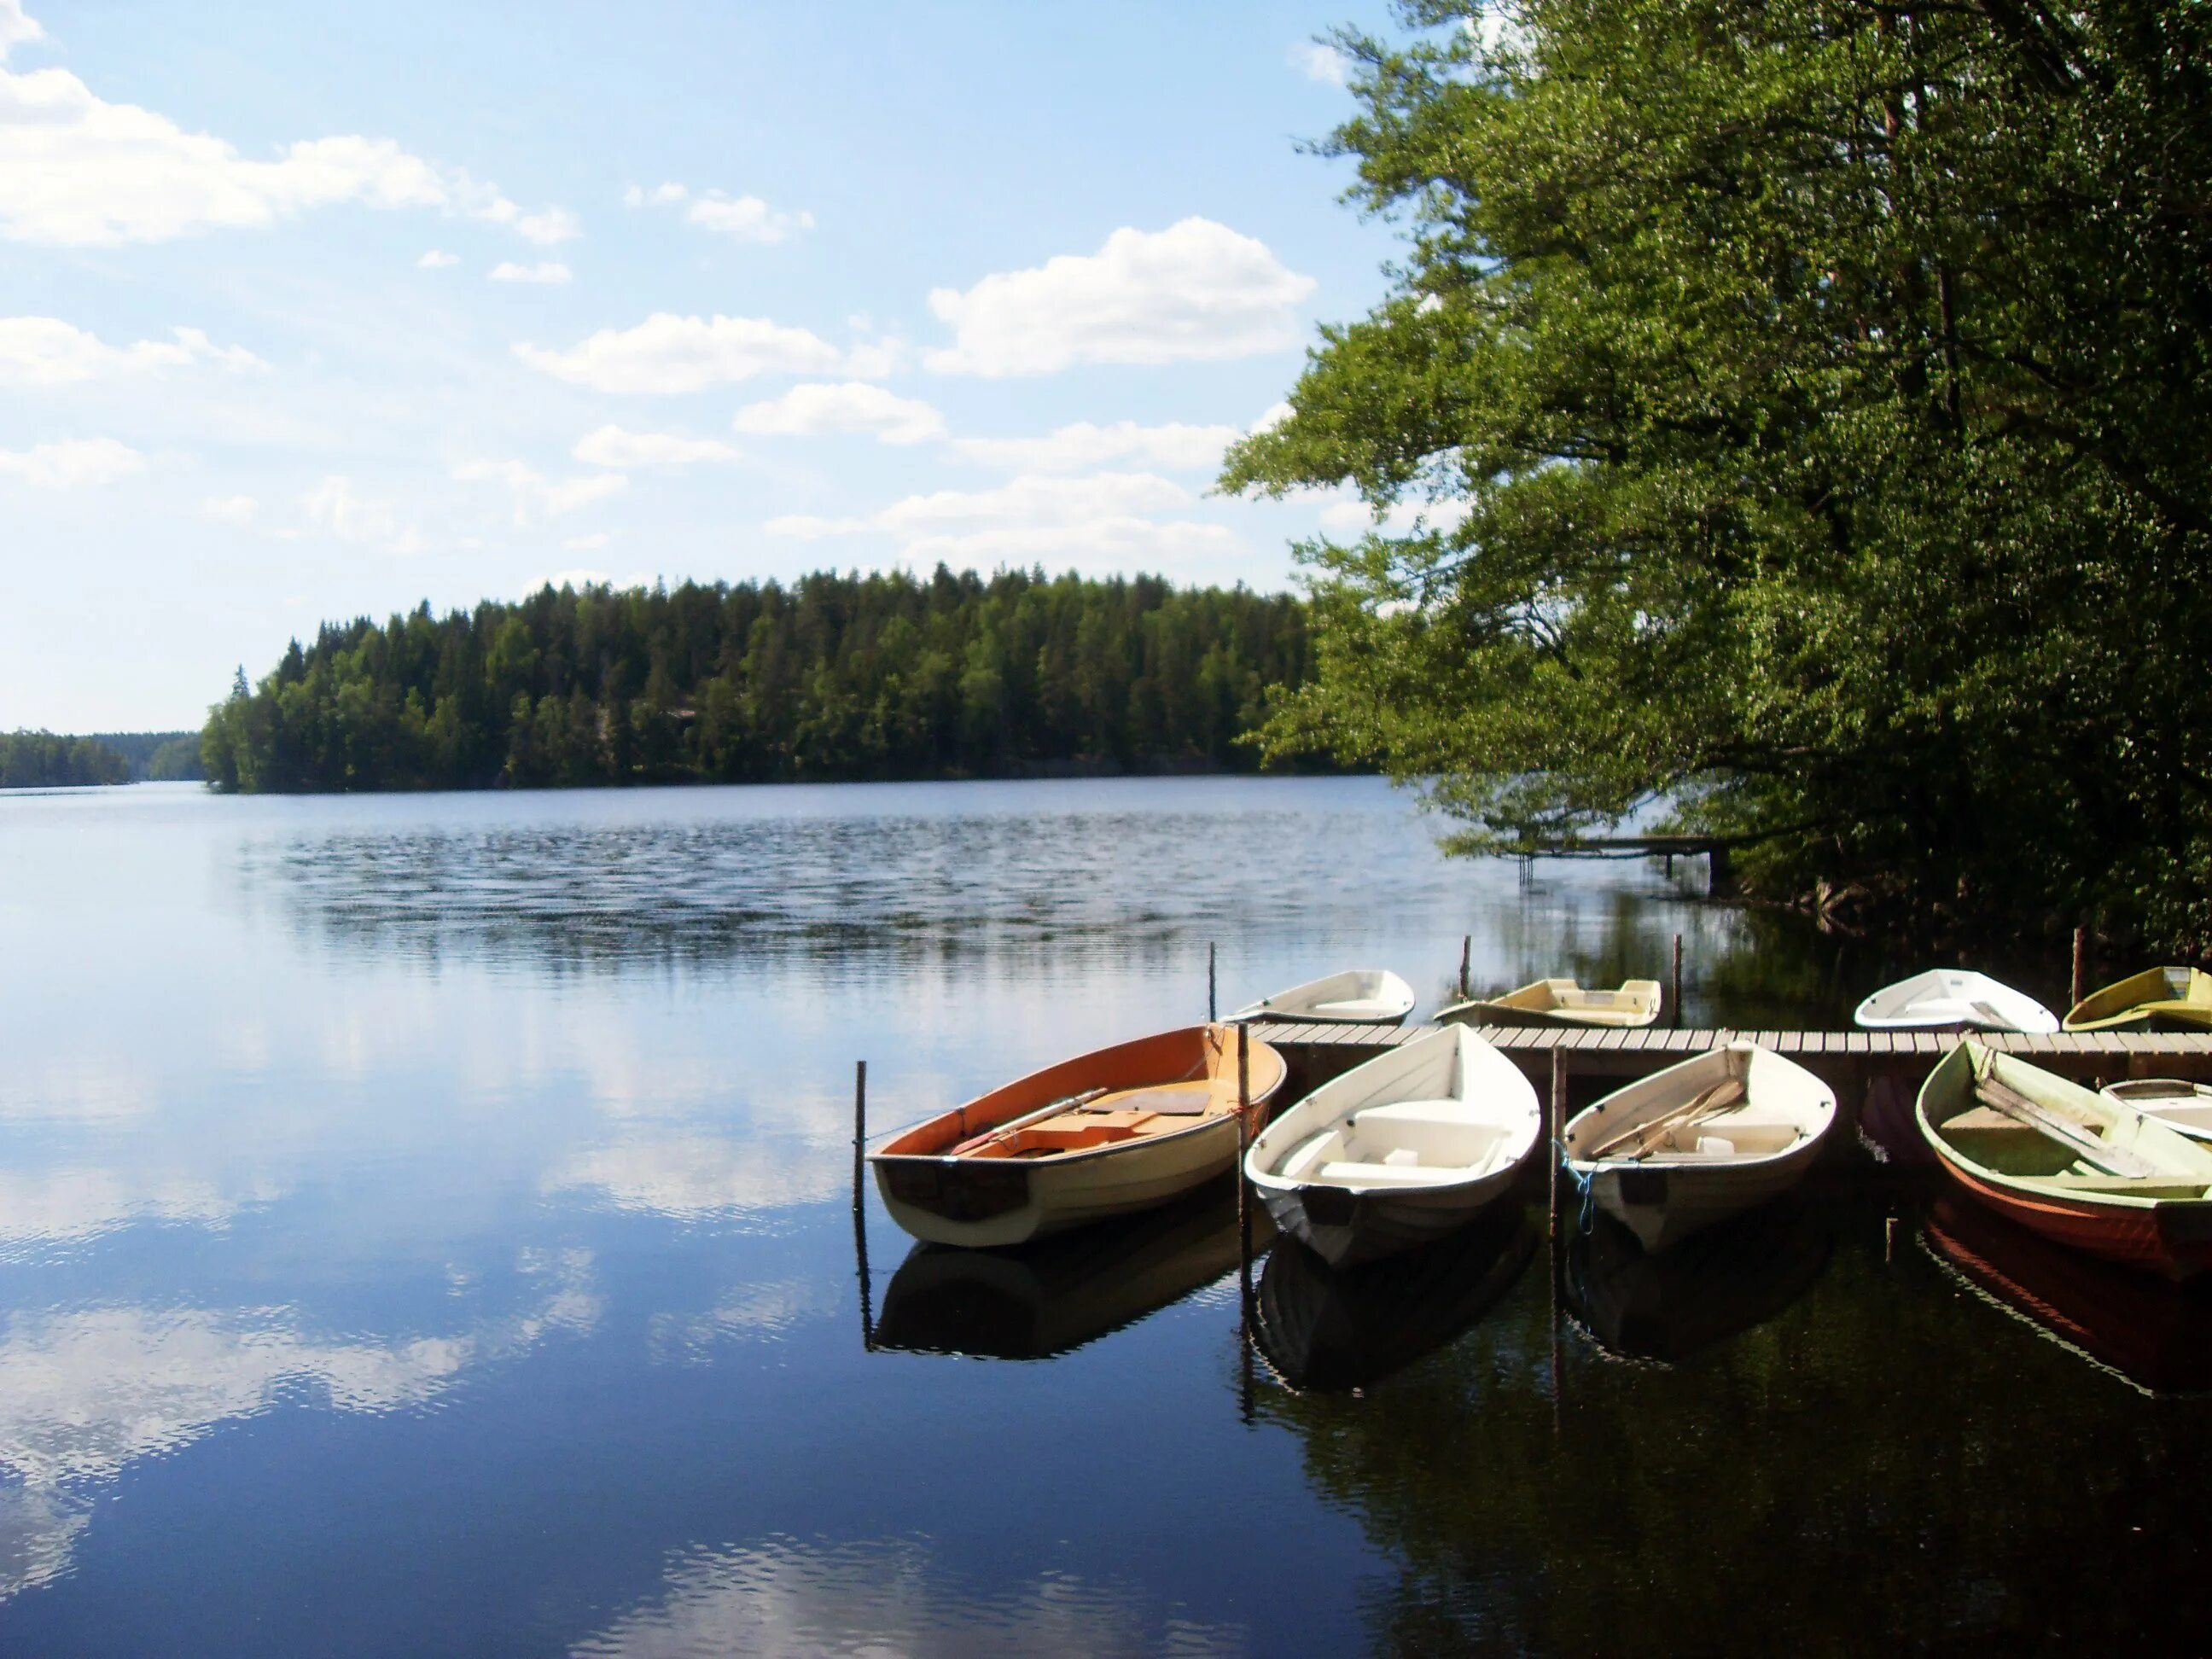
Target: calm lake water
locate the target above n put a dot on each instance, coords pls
(425, 1227)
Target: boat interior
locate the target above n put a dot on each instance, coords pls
(1085, 1123)
(1707, 1115)
(1405, 1143)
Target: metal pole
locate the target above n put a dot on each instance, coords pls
(1678, 982)
(1465, 960)
(859, 1209)
(1211, 1015)
(2080, 983)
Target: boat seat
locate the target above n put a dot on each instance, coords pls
(1307, 1153)
(1351, 1173)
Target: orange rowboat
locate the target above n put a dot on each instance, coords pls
(1119, 1129)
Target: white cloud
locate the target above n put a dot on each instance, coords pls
(47, 351)
(747, 218)
(1029, 503)
(333, 507)
(1325, 63)
(238, 510)
(1074, 448)
(590, 544)
(613, 447)
(1100, 519)
(73, 464)
(78, 171)
(669, 354)
(537, 497)
(438, 259)
(16, 29)
(546, 271)
(1195, 290)
(812, 409)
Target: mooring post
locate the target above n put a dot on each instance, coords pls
(1676, 987)
(1210, 1007)
(1558, 1116)
(1243, 1142)
(2081, 980)
(1466, 961)
(860, 1208)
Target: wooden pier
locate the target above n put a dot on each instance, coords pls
(1317, 1053)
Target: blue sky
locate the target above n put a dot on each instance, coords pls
(311, 312)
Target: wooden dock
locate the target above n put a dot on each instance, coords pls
(1317, 1053)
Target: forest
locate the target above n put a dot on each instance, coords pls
(834, 676)
(1806, 405)
(41, 760)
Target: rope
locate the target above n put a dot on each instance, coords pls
(1587, 1216)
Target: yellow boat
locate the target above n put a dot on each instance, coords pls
(2160, 999)
(1561, 1002)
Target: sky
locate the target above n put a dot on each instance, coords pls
(311, 311)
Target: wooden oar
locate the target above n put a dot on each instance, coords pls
(1709, 1103)
(999, 1132)
(2011, 1102)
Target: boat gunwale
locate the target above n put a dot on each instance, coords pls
(1274, 1180)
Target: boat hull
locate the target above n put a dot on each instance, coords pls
(1346, 1228)
(2175, 1240)
(989, 1203)
(1664, 1204)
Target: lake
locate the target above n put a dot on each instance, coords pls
(425, 1226)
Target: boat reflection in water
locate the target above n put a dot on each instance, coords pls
(1042, 1299)
(1327, 1328)
(2152, 1331)
(1712, 1285)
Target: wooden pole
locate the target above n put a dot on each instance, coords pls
(1558, 1121)
(1677, 985)
(1243, 1142)
(1212, 1012)
(859, 1207)
(2080, 981)
(1557, 1117)
(1466, 961)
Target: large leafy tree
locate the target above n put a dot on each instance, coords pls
(1810, 409)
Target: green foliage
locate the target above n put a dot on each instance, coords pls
(158, 756)
(1821, 394)
(836, 677)
(176, 760)
(40, 760)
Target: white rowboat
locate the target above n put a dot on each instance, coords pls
(1400, 1150)
(1358, 996)
(1701, 1141)
(2174, 1102)
(1952, 998)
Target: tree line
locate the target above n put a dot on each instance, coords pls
(41, 760)
(1810, 402)
(833, 677)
